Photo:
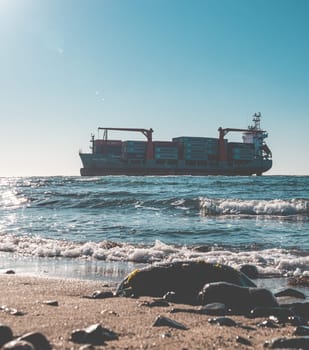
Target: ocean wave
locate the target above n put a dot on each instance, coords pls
(279, 262)
(274, 207)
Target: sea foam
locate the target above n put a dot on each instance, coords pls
(279, 262)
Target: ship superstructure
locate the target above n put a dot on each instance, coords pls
(184, 155)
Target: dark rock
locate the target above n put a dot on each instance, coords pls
(38, 340)
(186, 279)
(239, 299)
(6, 334)
(300, 309)
(290, 292)
(18, 345)
(202, 248)
(250, 270)
(289, 343)
(247, 328)
(87, 347)
(158, 302)
(281, 313)
(172, 297)
(10, 272)
(215, 309)
(189, 311)
(244, 341)
(94, 334)
(98, 294)
(274, 319)
(301, 330)
(51, 302)
(268, 324)
(165, 321)
(223, 321)
(11, 311)
(296, 321)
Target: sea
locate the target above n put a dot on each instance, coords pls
(102, 228)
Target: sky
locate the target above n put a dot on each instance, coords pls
(181, 67)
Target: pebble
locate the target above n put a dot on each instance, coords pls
(238, 299)
(38, 340)
(18, 345)
(11, 311)
(280, 312)
(51, 302)
(157, 302)
(94, 335)
(6, 334)
(99, 294)
(288, 343)
(301, 330)
(165, 321)
(297, 321)
(290, 292)
(300, 309)
(215, 309)
(223, 321)
(244, 341)
(268, 324)
(171, 297)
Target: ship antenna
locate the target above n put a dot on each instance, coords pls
(257, 121)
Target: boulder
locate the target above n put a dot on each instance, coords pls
(185, 279)
(238, 299)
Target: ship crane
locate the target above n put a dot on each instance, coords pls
(146, 132)
(252, 129)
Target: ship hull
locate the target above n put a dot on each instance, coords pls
(100, 166)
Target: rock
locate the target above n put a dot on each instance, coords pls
(244, 341)
(185, 310)
(280, 312)
(239, 299)
(10, 272)
(98, 294)
(268, 324)
(301, 330)
(6, 334)
(215, 309)
(51, 302)
(87, 347)
(172, 297)
(185, 279)
(202, 248)
(289, 343)
(94, 335)
(38, 340)
(18, 345)
(165, 321)
(223, 321)
(158, 302)
(300, 309)
(290, 292)
(250, 270)
(296, 321)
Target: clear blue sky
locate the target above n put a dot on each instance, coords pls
(180, 67)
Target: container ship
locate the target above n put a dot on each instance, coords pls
(183, 155)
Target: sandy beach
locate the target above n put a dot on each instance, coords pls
(127, 317)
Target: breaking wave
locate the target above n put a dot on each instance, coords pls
(274, 261)
(274, 207)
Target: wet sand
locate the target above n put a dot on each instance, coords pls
(126, 316)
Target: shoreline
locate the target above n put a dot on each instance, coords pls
(129, 318)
